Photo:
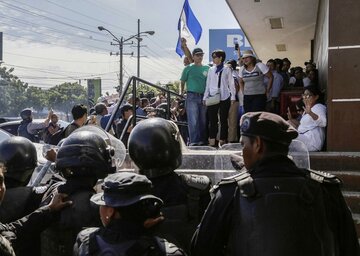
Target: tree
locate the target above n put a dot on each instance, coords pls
(174, 86)
(63, 97)
(37, 98)
(12, 93)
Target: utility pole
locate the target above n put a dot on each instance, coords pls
(138, 49)
(121, 46)
(121, 42)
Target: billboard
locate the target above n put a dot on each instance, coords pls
(224, 39)
(93, 90)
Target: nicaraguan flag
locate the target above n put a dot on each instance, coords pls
(189, 28)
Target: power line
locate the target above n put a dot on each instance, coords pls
(87, 16)
(101, 48)
(81, 74)
(162, 48)
(57, 78)
(32, 25)
(22, 10)
(112, 10)
(61, 60)
(158, 61)
(51, 43)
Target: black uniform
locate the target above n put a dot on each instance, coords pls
(155, 147)
(60, 237)
(277, 209)
(122, 238)
(21, 232)
(185, 199)
(19, 202)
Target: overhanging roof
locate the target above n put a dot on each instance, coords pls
(298, 19)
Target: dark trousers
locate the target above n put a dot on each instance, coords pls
(254, 103)
(213, 112)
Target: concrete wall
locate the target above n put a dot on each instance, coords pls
(337, 54)
(321, 42)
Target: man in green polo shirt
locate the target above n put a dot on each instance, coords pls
(194, 76)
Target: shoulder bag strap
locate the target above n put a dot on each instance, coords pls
(219, 81)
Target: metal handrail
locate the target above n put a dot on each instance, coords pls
(133, 80)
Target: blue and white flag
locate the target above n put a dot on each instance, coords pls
(189, 28)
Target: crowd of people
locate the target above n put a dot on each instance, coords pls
(247, 85)
(87, 206)
(237, 86)
(90, 207)
(50, 132)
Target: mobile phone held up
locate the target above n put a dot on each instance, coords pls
(236, 43)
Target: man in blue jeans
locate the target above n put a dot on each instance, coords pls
(194, 75)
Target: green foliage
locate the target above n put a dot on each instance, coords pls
(63, 97)
(174, 86)
(12, 93)
(16, 95)
(37, 98)
(145, 89)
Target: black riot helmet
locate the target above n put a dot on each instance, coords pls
(18, 155)
(155, 147)
(26, 114)
(85, 154)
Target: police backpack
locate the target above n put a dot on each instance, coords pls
(144, 246)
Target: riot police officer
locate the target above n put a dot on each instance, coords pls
(155, 147)
(83, 158)
(20, 232)
(275, 208)
(19, 157)
(127, 207)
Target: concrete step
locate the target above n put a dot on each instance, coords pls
(350, 180)
(218, 159)
(353, 201)
(335, 161)
(356, 218)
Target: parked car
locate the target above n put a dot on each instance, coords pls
(12, 126)
(8, 119)
(4, 135)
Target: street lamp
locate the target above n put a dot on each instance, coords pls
(138, 46)
(121, 42)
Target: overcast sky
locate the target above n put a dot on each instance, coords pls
(49, 42)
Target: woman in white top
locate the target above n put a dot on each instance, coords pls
(313, 122)
(251, 82)
(227, 97)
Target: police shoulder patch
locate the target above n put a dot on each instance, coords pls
(235, 178)
(244, 182)
(40, 189)
(200, 182)
(324, 177)
(170, 248)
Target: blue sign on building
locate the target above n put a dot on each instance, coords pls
(224, 39)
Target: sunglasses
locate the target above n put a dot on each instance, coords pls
(307, 96)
